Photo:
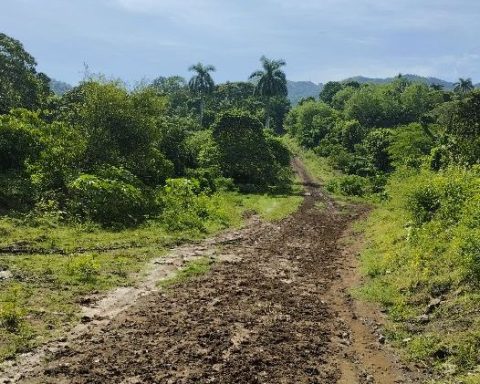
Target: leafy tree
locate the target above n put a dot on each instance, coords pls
(201, 84)
(463, 86)
(329, 90)
(409, 145)
(175, 88)
(19, 140)
(311, 122)
(20, 84)
(376, 148)
(271, 82)
(246, 155)
(463, 129)
(366, 106)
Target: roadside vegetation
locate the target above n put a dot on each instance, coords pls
(98, 181)
(412, 151)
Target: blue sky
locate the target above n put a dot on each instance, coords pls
(321, 40)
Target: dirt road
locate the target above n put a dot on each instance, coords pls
(274, 308)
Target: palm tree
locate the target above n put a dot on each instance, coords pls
(463, 86)
(202, 84)
(270, 82)
(436, 87)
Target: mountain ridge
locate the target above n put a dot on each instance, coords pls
(298, 90)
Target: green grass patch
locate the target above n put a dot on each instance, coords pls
(422, 244)
(193, 269)
(270, 207)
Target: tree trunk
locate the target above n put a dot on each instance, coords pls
(267, 113)
(267, 121)
(202, 110)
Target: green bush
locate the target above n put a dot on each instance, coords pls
(84, 269)
(11, 317)
(183, 205)
(110, 202)
(423, 203)
(353, 185)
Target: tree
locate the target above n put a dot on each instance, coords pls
(248, 156)
(463, 86)
(20, 84)
(202, 84)
(270, 82)
(329, 91)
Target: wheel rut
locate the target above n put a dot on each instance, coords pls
(274, 308)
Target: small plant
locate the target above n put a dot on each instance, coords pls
(11, 317)
(84, 269)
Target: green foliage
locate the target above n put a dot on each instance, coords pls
(11, 317)
(376, 146)
(350, 185)
(310, 122)
(423, 243)
(410, 145)
(85, 269)
(110, 201)
(183, 205)
(329, 91)
(247, 156)
(20, 84)
(19, 139)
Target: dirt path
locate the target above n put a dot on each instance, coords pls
(274, 308)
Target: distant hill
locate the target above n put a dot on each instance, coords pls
(59, 87)
(447, 85)
(298, 90)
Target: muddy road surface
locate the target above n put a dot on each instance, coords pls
(274, 308)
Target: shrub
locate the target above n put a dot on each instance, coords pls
(353, 185)
(84, 269)
(183, 205)
(11, 317)
(110, 202)
(423, 202)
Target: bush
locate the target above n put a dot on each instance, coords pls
(441, 196)
(84, 269)
(353, 185)
(110, 202)
(11, 317)
(183, 205)
(423, 202)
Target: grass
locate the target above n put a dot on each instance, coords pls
(406, 265)
(43, 297)
(318, 167)
(271, 208)
(193, 269)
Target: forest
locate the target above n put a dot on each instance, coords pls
(95, 181)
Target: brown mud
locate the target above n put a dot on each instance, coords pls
(274, 308)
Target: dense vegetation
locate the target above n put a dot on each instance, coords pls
(107, 154)
(97, 179)
(414, 151)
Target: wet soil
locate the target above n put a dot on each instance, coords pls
(274, 308)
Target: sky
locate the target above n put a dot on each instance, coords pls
(321, 40)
